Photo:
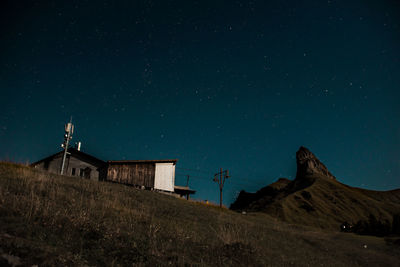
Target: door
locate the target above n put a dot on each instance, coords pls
(165, 177)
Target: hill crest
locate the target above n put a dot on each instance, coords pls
(316, 198)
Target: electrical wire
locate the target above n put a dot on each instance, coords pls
(195, 170)
(212, 173)
(247, 183)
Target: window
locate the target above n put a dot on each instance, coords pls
(73, 171)
(87, 173)
(81, 172)
(46, 164)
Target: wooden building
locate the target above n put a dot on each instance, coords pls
(152, 174)
(77, 163)
(183, 191)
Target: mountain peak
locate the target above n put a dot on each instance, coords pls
(308, 164)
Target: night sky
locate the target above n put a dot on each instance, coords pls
(239, 85)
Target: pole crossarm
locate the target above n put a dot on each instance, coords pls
(220, 178)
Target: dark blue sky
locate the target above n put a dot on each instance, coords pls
(234, 84)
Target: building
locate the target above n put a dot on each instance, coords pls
(183, 191)
(77, 163)
(152, 174)
(149, 174)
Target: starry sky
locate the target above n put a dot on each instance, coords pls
(238, 85)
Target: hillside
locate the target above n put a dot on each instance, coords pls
(56, 220)
(316, 198)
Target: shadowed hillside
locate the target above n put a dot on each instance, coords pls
(53, 220)
(316, 198)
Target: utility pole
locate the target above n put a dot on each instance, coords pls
(187, 185)
(187, 180)
(69, 130)
(220, 178)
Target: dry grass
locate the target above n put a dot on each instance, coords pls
(56, 220)
(322, 202)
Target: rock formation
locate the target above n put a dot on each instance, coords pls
(308, 164)
(315, 198)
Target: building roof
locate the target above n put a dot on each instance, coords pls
(142, 161)
(183, 190)
(74, 152)
(88, 157)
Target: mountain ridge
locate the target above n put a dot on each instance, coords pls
(316, 198)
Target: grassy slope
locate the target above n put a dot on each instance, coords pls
(327, 203)
(54, 220)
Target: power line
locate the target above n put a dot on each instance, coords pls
(195, 170)
(247, 183)
(207, 178)
(194, 176)
(211, 172)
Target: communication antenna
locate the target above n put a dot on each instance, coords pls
(69, 130)
(78, 145)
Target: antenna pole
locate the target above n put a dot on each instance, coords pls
(69, 130)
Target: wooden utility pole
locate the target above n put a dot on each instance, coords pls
(187, 185)
(220, 178)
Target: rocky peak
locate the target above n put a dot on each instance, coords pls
(308, 163)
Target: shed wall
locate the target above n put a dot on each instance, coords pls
(165, 177)
(141, 174)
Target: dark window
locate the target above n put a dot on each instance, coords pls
(73, 171)
(81, 172)
(46, 164)
(87, 173)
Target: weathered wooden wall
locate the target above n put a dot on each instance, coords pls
(141, 174)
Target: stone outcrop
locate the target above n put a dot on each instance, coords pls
(316, 199)
(308, 164)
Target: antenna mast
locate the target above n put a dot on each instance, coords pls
(69, 130)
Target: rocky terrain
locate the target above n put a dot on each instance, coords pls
(309, 164)
(316, 198)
